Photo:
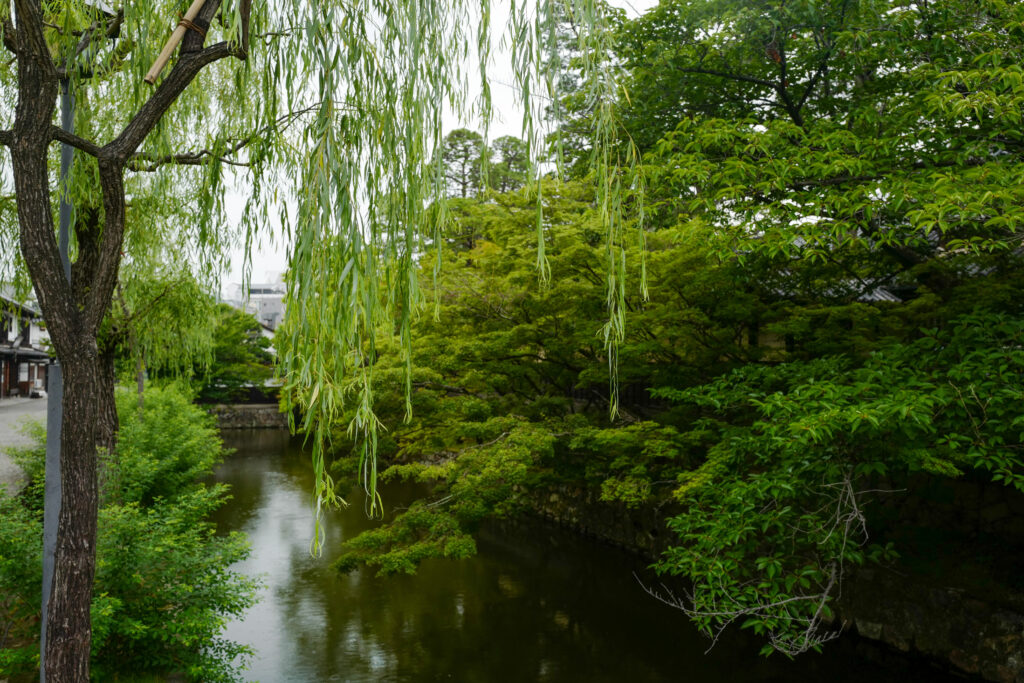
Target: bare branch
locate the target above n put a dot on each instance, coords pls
(187, 159)
(809, 638)
(802, 626)
(150, 163)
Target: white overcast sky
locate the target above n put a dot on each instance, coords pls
(269, 257)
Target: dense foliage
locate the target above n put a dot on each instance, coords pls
(832, 266)
(163, 588)
(241, 358)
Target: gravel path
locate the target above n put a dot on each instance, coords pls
(14, 412)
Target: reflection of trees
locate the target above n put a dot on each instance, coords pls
(517, 611)
(536, 603)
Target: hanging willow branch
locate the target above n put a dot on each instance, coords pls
(350, 181)
(370, 196)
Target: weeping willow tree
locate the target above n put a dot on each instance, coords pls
(328, 114)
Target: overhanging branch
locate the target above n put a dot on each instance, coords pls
(188, 159)
(150, 163)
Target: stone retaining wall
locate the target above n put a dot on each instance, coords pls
(244, 416)
(977, 636)
(941, 622)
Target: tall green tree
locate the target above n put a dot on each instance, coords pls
(508, 165)
(161, 322)
(461, 155)
(241, 359)
(863, 158)
(851, 174)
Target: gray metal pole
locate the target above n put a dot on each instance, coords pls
(55, 386)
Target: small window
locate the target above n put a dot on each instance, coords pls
(22, 372)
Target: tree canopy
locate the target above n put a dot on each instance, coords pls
(832, 259)
(241, 358)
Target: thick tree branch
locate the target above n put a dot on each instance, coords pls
(68, 138)
(731, 77)
(114, 156)
(30, 39)
(28, 141)
(89, 229)
(184, 72)
(811, 84)
(245, 10)
(109, 254)
(835, 180)
(193, 40)
(823, 65)
(783, 89)
(9, 35)
(6, 137)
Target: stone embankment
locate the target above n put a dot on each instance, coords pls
(976, 632)
(950, 624)
(250, 416)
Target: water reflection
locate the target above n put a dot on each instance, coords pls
(536, 604)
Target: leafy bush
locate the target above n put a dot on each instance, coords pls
(775, 513)
(163, 591)
(162, 450)
(486, 479)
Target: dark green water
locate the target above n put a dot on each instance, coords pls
(536, 604)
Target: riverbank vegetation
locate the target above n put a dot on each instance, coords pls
(775, 276)
(824, 305)
(164, 589)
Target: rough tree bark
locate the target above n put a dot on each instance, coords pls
(74, 311)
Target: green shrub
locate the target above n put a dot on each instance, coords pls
(163, 590)
(162, 450)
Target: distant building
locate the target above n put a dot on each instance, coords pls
(264, 300)
(24, 348)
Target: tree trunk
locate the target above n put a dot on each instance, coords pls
(108, 474)
(74, 311)
(68, 624)
(107, 422)
(68, 627)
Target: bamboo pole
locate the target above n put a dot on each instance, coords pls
(172, 42)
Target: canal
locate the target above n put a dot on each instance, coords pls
(536, 604)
